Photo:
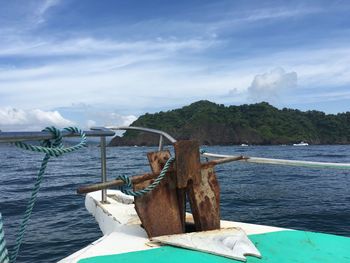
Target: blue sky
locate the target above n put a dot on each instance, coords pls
(87, 63)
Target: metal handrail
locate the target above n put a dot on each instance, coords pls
(166, 135)
(6, 137)
(160, 133)
(261, 160)
(102, 132)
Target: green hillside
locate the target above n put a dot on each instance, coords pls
(261, 123)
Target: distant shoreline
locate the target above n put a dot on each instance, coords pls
(253, 124)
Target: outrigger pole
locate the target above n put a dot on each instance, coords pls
(148, 176)
(248, 159)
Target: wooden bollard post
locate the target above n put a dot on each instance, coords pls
(201, 185)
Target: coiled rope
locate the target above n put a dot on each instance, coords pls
(52, 148)
(149, 188)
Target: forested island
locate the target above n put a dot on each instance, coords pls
(258, 124)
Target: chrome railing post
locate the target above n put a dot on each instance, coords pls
(103, 162)
(103, 167)
(160, 147)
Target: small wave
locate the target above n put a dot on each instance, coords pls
(304, 198)
(327, 155)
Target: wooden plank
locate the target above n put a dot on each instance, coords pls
(159, 209)
(201, 184)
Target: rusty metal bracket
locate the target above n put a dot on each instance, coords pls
(162, 211)
(201, 185)
(159, 209)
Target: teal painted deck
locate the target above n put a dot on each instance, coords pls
(275, 247)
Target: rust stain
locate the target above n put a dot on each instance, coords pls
(200, 183)
(162, 211)
(159, 209)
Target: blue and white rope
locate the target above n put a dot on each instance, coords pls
(149, 188)
(50, 148)
(4, 257)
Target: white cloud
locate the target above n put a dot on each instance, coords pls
(88, 116)
(91, 123)
(35, 119)
(111, 119)
(143, 81)
(127, 120)
(104, 47)
(82, 115)
(280, 13)
(43, 8)
(235, 19)
(157, 73)
(268, 86)
(46, 5)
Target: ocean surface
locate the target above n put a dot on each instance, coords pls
(301, 198)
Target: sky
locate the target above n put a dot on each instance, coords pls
(95, 63)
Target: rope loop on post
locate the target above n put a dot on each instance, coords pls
(148, 189)
(51, 148)
(54, 147)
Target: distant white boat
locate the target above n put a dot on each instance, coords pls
(244, 145)
(301, 144)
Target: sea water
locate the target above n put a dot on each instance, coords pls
(311, 199)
